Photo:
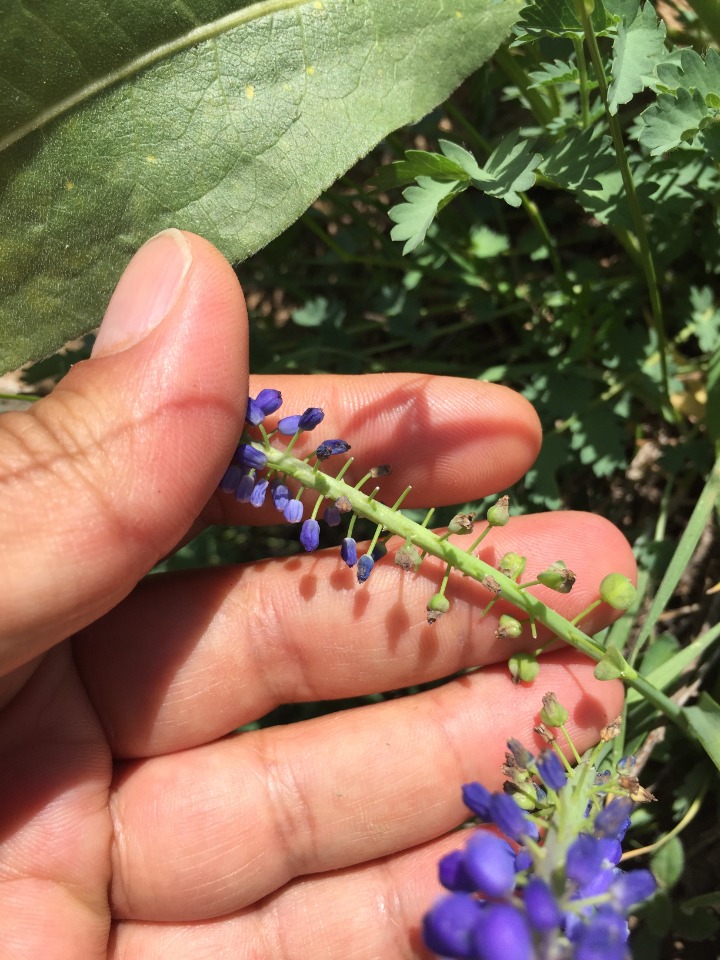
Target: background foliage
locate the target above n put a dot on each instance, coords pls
(599, 302)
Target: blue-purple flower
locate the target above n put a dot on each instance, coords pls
(257, 497)
(265, 403)
(280, 495)
(310, 534)
(250, 456)
(293, 511)
(245, 488)
(302, 421)
(560, 894)
(329, 448)
(348, 551)
(364, 567)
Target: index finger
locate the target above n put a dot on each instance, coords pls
(452, 439)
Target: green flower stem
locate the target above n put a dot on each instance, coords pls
(638, 220)
(586, 611)
(429, 542)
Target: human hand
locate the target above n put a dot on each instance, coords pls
(132, 824)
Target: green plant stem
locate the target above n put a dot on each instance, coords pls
(648, 261)
(583, 78)
(515, 73)
(529, 206)
(709, 13)
(437, 546)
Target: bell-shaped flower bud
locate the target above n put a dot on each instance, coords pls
(245, 488)
(632, 887)
(293, 511)
(449, 925)
(490, 861)
(310, 534)
(265, 403)
(364, 567)
(303, 421)
(348, 551)
(557, 577)
(280, 495)
(499, 514)
(551, 770)
(510, 818)
(249, 456)
(331, 516)
(343, 504)
(231, 479)
(257, 497)
(452, 873)
(502, 931)
(437, 605)
(542, 907)
(477, 797)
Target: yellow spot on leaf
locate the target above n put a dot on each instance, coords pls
(318, 5)
(150, 159)
(249, 91)
(310, 71)
(458, 14)
(69, 185)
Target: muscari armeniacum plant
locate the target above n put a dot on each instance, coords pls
(550, 887)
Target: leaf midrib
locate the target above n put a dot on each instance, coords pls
(191, 38)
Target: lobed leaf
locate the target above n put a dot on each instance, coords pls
(414, 217)
(226, 117)
(637, 48)
(576, 161)
(511, 169)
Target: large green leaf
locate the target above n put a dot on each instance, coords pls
(121, 117)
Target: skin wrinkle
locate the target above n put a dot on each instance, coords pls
(291, 812)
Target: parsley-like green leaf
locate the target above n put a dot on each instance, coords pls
(672, 121)
(510, 170)
(575, 161)
(693, 73)
(558, 18)
(417, 163)
(423, 201)
(550, 74)
(638, 46)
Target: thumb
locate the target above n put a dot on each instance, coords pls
(104, 476)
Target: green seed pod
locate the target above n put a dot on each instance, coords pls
(499, 514)
(553, 714)
(617, 591)
(524, 667)
(557, 577)
(462, 523)
(508, 627)
(512, 565)
(524, 801)
(408, 557)
(437, 605)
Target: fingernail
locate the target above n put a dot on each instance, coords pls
(147, 291)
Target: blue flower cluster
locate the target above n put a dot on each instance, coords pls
(550, 889)
(245, 477)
